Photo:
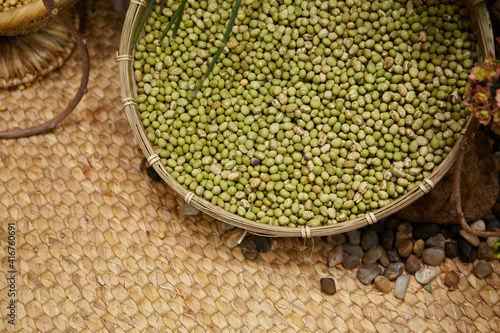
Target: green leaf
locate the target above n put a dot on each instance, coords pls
(428, 287)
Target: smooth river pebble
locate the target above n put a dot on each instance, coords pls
(369, 239)
(354, 237)
(433, 256)
(353, 249)
(401, 286)
(401, 237)
(387, 239)
(351, 262)
(425, 275)
(234, 237)
(335, 256)
(451, 280)
(328, 286)
(336, 240)
(382, 284)
(418, 247)
(483, 269)
(413, 264)
(478, 225)
(373, 254)
(451, 249)
(368, 272)
(404, 249)
(484, 252)
(394, 270)
(435, 241)
(473, 240)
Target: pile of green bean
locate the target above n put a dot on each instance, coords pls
(316, 112)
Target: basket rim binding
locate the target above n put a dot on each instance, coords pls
(479, 16)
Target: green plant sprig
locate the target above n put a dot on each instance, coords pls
(143, 22)
(177, 17)
(227, 34)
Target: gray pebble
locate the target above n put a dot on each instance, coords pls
(405, 226)
(353, 249)
(372, 255)
(483, 269)
(394, 270)
(336, 240)
(484, 252)
(433, 256)
(351, 262)
(368, 272)
(435, 241)
(354, 237)
(369, 239)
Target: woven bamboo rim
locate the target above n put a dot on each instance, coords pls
(28, 18)
(480, 20)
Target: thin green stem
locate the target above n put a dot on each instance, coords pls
(143, 21)
(178, 13)
(209, 70)
(227, 34)
(176, 27)
(231, 21)
(162, 5)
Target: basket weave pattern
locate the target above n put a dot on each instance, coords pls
(89, 259)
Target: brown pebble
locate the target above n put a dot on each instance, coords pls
(249, 249)
(405, 248)
(451, 280)
(413, 264)
(328, 286)
(384, 259)
(401, 237)
(418, 247)
(382, 284)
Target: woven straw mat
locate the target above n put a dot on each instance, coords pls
(89, 259)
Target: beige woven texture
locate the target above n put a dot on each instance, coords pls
(89, 258)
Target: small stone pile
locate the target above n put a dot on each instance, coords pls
(394, 250)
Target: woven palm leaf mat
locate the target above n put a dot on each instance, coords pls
(88, 256)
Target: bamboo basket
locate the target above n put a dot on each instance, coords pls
(28, 18)
(480, 21)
